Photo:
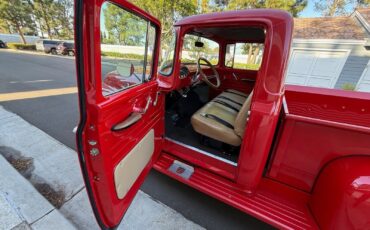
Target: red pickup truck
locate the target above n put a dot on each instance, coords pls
(294, 157)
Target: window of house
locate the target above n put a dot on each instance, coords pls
(244, 55)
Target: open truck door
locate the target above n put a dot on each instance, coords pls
(121, 125)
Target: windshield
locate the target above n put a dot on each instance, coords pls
(191, 52)
(168, 56)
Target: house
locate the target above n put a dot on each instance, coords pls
(331, 52)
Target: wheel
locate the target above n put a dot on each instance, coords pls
(71, 53)
(2, 45)
(53, 51)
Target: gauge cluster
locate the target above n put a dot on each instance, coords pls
(184, 72)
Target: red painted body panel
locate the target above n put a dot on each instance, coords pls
(274, 203)
(341, 197)
(315, 130)
(102, 113)
(209, 163)
(266, 103)
(245, 82)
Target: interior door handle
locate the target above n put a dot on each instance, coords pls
(247, 79)
(132, 119)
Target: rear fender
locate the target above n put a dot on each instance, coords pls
(341, 194)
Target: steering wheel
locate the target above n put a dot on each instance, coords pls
(206, 78)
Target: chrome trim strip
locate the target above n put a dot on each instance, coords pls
(202, 152)
(285, 106)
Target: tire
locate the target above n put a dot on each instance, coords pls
(71, 53)
(53, 51)
(2, 45)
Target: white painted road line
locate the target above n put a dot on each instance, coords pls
(34, 81)
(57, 165)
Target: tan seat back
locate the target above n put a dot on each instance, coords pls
(241, 118)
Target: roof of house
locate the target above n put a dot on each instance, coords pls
(365, 13)
(328, 28)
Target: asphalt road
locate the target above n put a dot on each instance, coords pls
(58, 115)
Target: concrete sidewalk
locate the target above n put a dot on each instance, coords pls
(52, 169)
(22, 206)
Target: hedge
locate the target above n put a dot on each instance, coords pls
(121, 55)
(21, 46)
(246, 66)
(348, 86)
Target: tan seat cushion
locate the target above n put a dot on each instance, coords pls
(214, 129)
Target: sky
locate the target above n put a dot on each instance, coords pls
(309, 11)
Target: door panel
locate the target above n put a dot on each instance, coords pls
(241, 80)
(122, 112)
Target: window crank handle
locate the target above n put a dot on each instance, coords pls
(143, 110)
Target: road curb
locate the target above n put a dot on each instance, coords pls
(35, 53)
(23, 204)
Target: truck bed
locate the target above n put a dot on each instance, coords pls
(318, 126)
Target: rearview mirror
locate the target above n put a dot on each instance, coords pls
(199, 44)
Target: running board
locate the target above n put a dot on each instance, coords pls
(273, 203)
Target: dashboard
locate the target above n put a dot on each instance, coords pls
(187, 74)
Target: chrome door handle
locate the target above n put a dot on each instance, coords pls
(132, 119)
(235, 76)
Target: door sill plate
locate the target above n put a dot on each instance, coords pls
(181, 169)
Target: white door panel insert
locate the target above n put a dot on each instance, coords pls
(129, 168)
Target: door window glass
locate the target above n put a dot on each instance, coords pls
(127, 49)
(244, 56)
(168, 56)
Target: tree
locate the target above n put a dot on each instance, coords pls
(123, 27)
(55, 17)
(17, 14)
(363, 3)
(292, 6)
(338, 7)
(252, 49)
(5, 27)
(42, 9)
(331, 7)
(168, 12)
(63, 18)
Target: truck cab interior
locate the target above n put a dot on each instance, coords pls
(213, 72)
(209, 108)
